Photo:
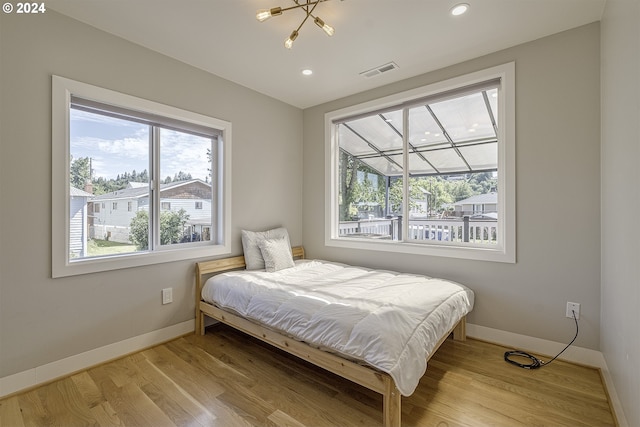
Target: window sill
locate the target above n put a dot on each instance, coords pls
(478, 252)
(61, 268)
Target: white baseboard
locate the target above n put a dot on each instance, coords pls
(583, 356)
(60, 368)
(580, 355)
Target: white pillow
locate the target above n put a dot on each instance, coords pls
(276, 253)
(251, 245)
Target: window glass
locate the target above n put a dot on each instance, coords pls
(109, 163)
(437, 170)
(185, 164)
(370, 168)
(450, 147)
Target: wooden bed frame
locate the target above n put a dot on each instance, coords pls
(365, 376)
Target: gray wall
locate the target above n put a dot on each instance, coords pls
(43, 320)
(620, 331)
(557, 165)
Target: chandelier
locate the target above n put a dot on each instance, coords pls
(308, 7)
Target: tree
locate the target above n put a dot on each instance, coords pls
(139, 230)
(347, 179)
(181, 176)
(460, 190)
(171, 228)
(80, 172)
(395, 194)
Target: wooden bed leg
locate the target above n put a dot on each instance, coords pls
(199, 329)
(199, 323)
(460, 331)
(391, 401)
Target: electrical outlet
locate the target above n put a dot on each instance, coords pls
(575, 307)
(167, 295)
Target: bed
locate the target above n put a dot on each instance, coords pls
(337, 330)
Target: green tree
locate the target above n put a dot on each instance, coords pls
(395, 194)
(348, 170)
(181, 176)
(460, 190)
(171, 228)
(439, 196)
(80, 172)
(139, 230)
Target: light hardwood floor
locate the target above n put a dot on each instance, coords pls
(227, 379)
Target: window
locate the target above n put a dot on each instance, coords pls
(111, 148)
(429, 171)
(198, 205)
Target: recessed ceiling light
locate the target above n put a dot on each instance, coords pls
(459, 9)
(307, 72)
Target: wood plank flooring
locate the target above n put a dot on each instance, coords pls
(228, 379)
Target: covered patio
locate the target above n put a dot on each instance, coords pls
(452, 136)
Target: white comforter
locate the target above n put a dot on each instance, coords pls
(388, 320)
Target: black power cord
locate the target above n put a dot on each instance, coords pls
(535, 362)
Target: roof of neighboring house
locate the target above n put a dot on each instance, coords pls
(479, 199)
(143, 191)
(76, 192)
(137, 184)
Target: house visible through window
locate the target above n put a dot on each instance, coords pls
(111, 144)
(428, 173)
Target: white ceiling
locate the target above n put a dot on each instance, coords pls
(224, 37)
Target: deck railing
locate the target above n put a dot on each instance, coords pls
(450, 229)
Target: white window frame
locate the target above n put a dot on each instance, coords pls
(62, 90)
(505, 250)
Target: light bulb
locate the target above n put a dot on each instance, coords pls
(288, 43)
(264, 14)
(325, 27)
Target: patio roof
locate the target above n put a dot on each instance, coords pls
(457, 134)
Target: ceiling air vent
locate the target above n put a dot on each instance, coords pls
(379, 70)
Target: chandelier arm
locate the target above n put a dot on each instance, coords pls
(307, 12)
(326, 28)
(298, 5)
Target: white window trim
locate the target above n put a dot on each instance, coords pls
(505, 251)
(62, 89)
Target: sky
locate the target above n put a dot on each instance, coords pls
(116, 146)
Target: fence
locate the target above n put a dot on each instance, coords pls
(450, 230)
(110, 232)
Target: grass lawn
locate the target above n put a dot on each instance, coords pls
(105, 247)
